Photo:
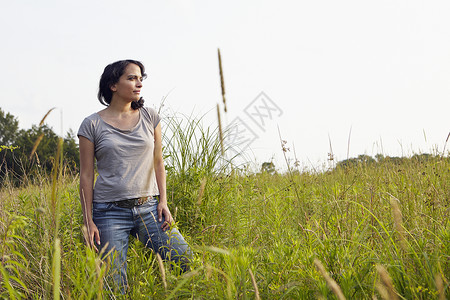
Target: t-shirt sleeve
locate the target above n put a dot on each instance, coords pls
(154, 116)
(86, 130)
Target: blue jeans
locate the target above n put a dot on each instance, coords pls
(116, 224)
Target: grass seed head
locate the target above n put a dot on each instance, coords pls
(440, 286)
(330, 281)
(201, 191)
(162, 270)
(45, 116)
(255, 286)
(222, 81)
(386, 283)
(36, 144)
(398, 221)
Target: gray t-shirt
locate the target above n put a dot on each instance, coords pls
(124, 157)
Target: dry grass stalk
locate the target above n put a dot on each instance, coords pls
(445, 144)
(39, 139)
(175, 214)
(54, 199)
(56, 269)
(85, 231)
(389, 291)
(162, 270)
(45, 116)
(382, 291)
(200, 196)
(330, 281)
(200, 193)
(220, 130)
(330, 154)
(208, 271)
(222, 82)
(398, 222)
(255, 286)
(98, 264)
(348, 142)
(440, 286)
(36, 144)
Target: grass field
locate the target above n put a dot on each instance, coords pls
(368, 231)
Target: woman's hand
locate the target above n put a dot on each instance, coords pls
(93, 235)
(163, 209)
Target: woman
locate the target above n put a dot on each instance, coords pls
(129, 197)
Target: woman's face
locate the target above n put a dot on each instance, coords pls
(129, 85)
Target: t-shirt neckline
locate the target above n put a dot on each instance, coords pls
(118, 129)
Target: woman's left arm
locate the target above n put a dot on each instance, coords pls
(160, 173)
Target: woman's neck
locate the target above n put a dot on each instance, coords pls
(118, 106)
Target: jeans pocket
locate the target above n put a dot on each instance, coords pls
(99, 207)
(151, 203)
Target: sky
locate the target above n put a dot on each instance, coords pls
(341, 77)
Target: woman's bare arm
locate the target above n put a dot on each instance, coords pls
(160, 173)
(87, 189)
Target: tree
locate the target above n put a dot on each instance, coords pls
(268, 167)
(366, 159)
(8, 128)
(71, 151)
(362, 159)
(379, 157)
(18, 165)
(46, 149)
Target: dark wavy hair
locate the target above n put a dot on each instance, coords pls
(111, 76)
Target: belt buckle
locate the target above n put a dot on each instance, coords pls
(143, 200)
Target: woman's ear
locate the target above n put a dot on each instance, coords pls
(113, 88)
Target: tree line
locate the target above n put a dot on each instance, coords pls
(380, 158)
(26, 154)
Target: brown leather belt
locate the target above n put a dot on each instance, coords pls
(130, 203)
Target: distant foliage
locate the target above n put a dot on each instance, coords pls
(8, 128)
(268, 167)
(365, 160)
(16, 165)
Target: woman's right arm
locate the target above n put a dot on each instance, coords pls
(87, 189)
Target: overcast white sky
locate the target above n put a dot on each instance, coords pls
(379, 68)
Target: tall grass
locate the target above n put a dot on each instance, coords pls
(377, 230)
(192, 148)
